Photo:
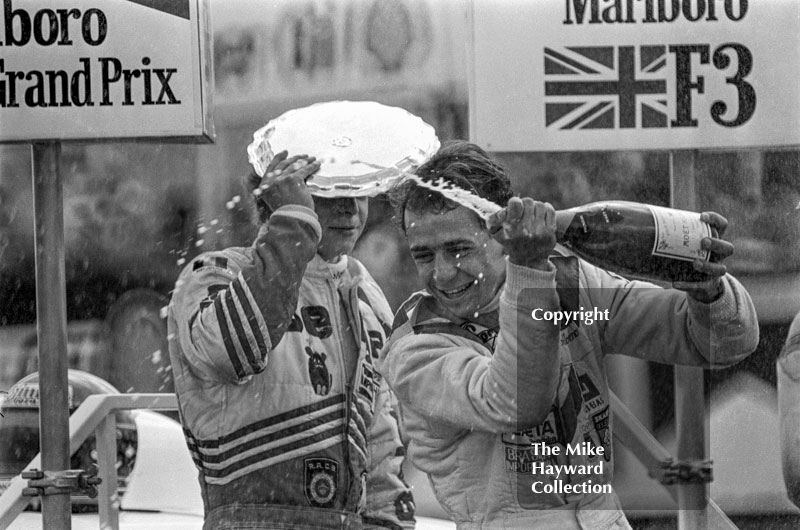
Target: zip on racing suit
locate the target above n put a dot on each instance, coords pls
(465, 389)
(285, 416)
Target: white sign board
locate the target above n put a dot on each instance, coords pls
(111, 69)
(571, 75)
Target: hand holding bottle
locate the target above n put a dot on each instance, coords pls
(644, 241)
(527, 231)
(711, 289)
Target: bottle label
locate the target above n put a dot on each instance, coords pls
(679, 233)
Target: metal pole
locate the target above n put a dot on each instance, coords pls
(51, 326)
(690, 422)
(107, 499)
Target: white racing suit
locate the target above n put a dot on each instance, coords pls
(465, 391)
(285, 416)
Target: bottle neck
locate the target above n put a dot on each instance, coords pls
(563, 220)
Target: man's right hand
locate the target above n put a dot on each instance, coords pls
(285, 181)
(527, 231)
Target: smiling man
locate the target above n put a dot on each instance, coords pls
(460, 264)
(509, 414)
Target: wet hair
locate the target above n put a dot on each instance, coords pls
(464, 164)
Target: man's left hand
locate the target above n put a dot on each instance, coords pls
(712, 289)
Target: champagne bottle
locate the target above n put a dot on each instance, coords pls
(636, 240)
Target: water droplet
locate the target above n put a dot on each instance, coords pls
(163, 311)
(480, 275)
(181, 262)
(201, 230)
(214, 222)
(199, 242)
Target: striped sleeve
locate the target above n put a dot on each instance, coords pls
(232, 306)
(222, 333)
(243, 330)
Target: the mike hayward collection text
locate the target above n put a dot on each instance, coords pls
(565, 474)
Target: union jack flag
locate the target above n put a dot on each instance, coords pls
(605, 87)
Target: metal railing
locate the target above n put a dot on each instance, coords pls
(94, 416)
(664, 468)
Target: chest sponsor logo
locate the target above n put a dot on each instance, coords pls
(486, 335)
(368, 382)
(317, 321)
(600, 422)
(404, 506)
(569, 333)
(581, 404)
(318, 373)
(521, 459)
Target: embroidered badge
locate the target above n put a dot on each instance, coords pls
(317, 321)
(600, 421)
(318, 372)
(321, 476)
(404, 506)
(486, 335)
